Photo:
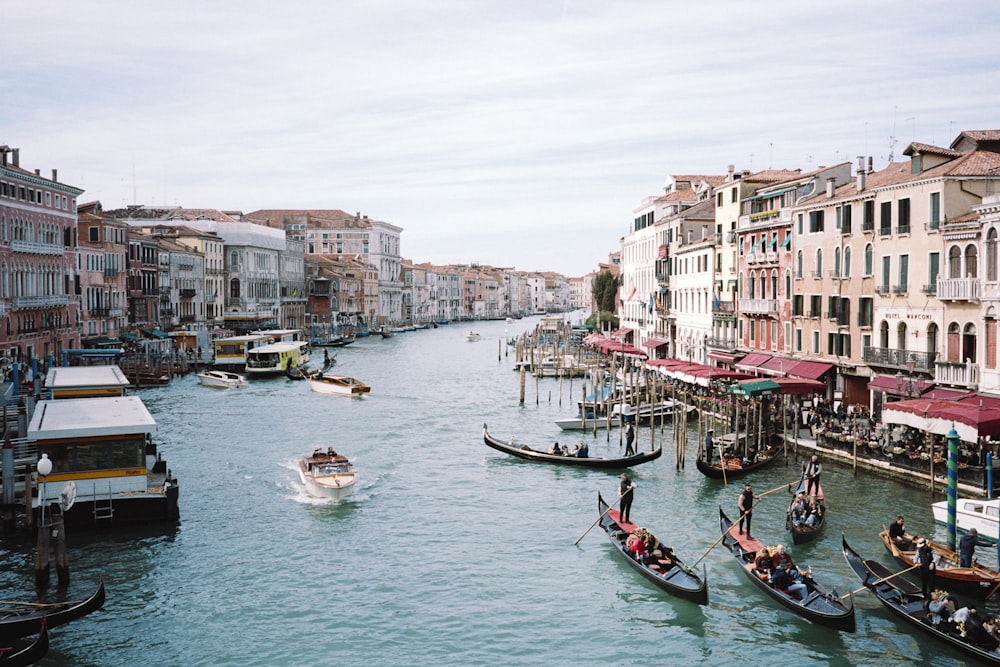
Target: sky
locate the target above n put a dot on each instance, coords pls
(507, 132)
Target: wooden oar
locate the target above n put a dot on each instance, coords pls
(992, 592)
(879, 581)
(610, 507)
(722, 537)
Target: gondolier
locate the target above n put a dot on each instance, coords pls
(709, 445)
(813, 471)
(745, 505)
(629, 439)
(625, 489)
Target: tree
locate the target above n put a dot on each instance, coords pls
(605, 291)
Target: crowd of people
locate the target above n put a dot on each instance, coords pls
(963, 621)
(582, 450)
(775, 566)
(645, 548)
(805, 510)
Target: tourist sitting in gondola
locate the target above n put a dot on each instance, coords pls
(555, 449)
(780, 558)
(783, 581)
(798, 510)
(763, 564)
(941, 607)
(583, 451)
(976, 632)
(635, 544)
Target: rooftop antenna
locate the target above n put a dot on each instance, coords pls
(892, 137)
(770, 156)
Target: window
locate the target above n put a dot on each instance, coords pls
(798, 265)
(718, 199)
(886, 265)
(798, 340)
(903, 220)
(935, 212)
(815, 221)
(847, 262)
(971, 263)
(904, 266)
(819, 263)
(885, 219)
(836, 262)
(868, 217)
(788, 283)
(815, 305)
(800, 223)
(991, 255)
(866, 308)
(797, 305)
(869, 260)
(933, 268)
(93, 234)
(732, 196)
(774, 335)
(815, 342)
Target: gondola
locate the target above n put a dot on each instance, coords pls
(735, 469)
(18, 619)
(525, 452)
(25, 653)
(679, 580)
(820, 605)
(905, 600)
(977, 581)
(802, 533)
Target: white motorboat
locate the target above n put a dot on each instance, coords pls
(472, 336)
(978, 513)
(324, 383)
(328, 475)
(584, 423)
(222, 380)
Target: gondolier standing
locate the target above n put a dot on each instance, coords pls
(625, 490)
(925, 561)
(709, 444)
(745, 505)
(813, 471)
(629, 439)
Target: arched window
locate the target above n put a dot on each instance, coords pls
(869, 260)
(971, 263)
(901, 336)
(847, 262)
(788, 284)
(234, 288)
(774, 283)
(836, 262)
(763, 284)
(954, 262)
(932, 343)
(991, 254)
(819, 262)
(798, 265)
(753, 285)
(969, 343)
(883, 334)
(954, 343)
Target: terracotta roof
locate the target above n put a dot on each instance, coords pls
(773, 176)
(917, 147)
(276, 217)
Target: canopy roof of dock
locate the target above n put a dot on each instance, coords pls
(90, 417)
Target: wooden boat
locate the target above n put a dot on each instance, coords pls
(24, 653)
(734, 465)
(820, 605)
(222, 380)
(979, 513)
(977, 581)
(525, 452)
(905, 600)
(19, 619)
(802, 533)
(338, 384)
(386, 333)
(328, 475)
(679, 580)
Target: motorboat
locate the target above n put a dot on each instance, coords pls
(978, 513)
(472, 336)
(328, 475)
(324, 383)
(222, 380)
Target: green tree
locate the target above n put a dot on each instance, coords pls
(605, 290)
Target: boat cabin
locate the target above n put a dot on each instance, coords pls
(86, 381)
(231, 353)
(277, 358)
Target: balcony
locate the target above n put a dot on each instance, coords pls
(187, 293)
(21, 302)
(899, 359)
(885, 231)
(902, 229)
(723, 307)
(929, 289)
(186, 319)
(721, 343)
(899, 289)
(759, 306)
(958, 289)
(882, 290)
(957, 374)
(37, 248)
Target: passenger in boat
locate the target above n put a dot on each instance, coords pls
(583, 451)
(330, 452)
(967, 548)
(926, 566)
(897, 533)
(783, 581)
(318, 451)
(976, 633)
(763, 563)
(637, 543)
(555, 449)
(564, 451)
(798, 510)
(626, 490)
(941, 606)
(781, 558)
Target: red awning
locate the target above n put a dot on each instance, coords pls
(722, 356)
(811, 370)
(752, 361)
(621, 333)
(777, 366)
(653, 343)
(945, 394)
(890, 385)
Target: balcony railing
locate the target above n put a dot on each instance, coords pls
(882, 290)
(902, 229)
(40, 301)
(758, 306)
(885, 231)
(37, 248)
(899, 289)
(929, 289)
(187, 293)
(894, 358)
(958, 374)
(723, 307)
(721, 343)
(958, 289)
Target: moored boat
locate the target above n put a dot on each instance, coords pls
(472, 336)
(980, 513)
(222, 380)
(19, 619)
(819, 605)
(905, 600)
(676, 578)
(23, 653)
(325, 383)
(328, 475)
(806, 523)
(976, 581)
(733, 466)
(587, 461)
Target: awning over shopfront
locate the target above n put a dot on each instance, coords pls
(621, 333)
(890, 385)
(722, 356)
(130, 336)
(155, 333)
(653, 343)
(750, 362)
(811, 370)
(777, 366)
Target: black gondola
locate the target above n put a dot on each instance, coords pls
(525, 452)
(802, 532)
(678, 580)
(19, 619)
(905, 600)
(733, 471)
(819, 606)
(25, 653)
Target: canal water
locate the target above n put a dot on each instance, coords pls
(450, 552)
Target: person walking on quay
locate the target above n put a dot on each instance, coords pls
(745, 505)
(813, 471)
(967, 548)
(629, 439)
(625, 489)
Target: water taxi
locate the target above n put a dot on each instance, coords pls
(102, 453)
(328, 475)
(223, 380)
(337, 384)
(277, 358)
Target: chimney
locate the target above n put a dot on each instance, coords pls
(55, 175)
(15, 157)
(38, 172)
(731, 169)
(831, 185)
(861, 173)
(870, 170)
